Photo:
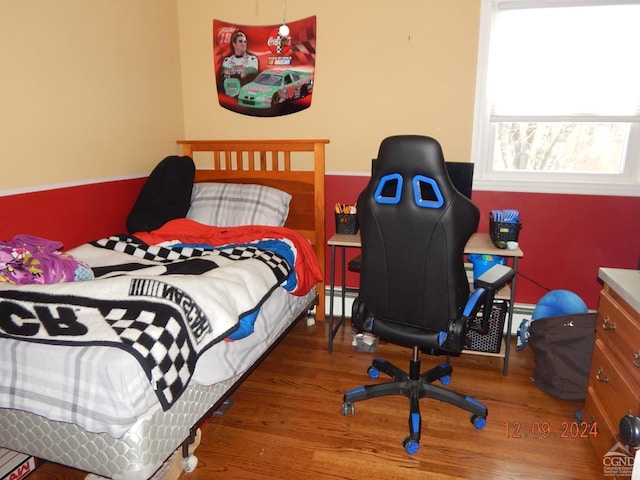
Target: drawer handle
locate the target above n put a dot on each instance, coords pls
(600, 376)
(636, 357)
(606, 325)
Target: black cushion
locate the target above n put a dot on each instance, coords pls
(166, 195)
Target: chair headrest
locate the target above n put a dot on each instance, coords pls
(414, 158)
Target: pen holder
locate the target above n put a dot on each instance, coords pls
(346, 223)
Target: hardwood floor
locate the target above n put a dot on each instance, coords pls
(286, 422)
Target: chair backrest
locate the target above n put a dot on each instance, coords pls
(414, 225)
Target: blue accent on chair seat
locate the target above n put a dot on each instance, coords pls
(442, 337)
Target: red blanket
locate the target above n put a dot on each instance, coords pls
(188, 231)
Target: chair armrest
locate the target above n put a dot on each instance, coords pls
(495, 278)
(487, 284)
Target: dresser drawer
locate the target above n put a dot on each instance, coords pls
(607, 430)
(619, 328)
(616, 390)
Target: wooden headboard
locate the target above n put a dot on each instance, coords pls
(295, 166)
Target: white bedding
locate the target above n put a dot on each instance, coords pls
(103, 389)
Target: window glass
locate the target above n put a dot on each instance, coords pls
(558, 96)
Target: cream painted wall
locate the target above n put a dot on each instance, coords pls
(90, 89)
(382, 68)
(101, 89)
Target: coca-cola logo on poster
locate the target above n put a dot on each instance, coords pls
(278, 44)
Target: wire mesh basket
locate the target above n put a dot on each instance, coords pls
(346, 223)
(491, 341)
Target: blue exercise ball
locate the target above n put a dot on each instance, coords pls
(558, 302)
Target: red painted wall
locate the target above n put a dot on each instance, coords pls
(565, 238)
(72, 215)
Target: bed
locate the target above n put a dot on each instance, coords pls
(104, 410)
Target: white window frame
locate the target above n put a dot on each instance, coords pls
(484, 133)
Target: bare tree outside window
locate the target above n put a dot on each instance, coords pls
(560, 147)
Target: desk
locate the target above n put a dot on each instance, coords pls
(478, 243)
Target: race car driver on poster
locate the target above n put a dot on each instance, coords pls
(261, 72)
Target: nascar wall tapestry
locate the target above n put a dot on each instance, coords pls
(261, 72)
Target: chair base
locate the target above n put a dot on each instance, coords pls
(414, 386)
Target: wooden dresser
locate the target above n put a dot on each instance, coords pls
(614, 377)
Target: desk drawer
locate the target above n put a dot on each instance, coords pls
(620, 331)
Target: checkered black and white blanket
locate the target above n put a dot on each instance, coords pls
(164, 305)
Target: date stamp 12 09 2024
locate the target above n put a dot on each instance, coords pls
(618, 462)
(543, 430)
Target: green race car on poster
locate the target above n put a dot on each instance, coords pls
(274, 87)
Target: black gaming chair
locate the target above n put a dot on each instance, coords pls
(414, 290)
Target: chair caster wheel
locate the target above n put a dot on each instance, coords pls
(445, 380)
(373, 372)
(348, 409)
(410, 446)
(189, 464)
(479, 421)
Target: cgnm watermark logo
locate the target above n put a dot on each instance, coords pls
(618, 462)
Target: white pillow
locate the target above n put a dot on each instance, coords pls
(234, 204)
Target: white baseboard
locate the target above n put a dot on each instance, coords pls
(520, 311)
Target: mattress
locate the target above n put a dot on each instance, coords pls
(152, 434)
(167, 309)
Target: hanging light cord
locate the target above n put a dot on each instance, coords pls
(284, 31)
